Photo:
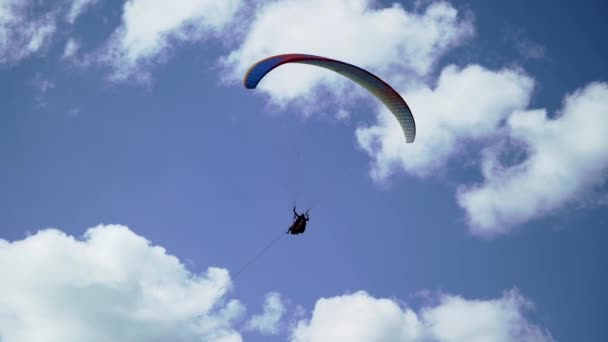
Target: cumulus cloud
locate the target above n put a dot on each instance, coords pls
(23, 33)
(567, 156)
(268, 321)
(361, 317)
(111, 285)
(390, 41)
(150, 28)
(467, 104)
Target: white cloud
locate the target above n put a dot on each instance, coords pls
(358, 317)
(567, 156)
(467, 104)
(71, 47)
(21, 33)
(389, 41)
(361, 317)
(112, 285)
(149, 28)
(268, 321)
(78, 7)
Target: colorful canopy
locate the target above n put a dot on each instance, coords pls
(387, 95)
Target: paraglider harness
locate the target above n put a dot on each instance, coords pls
(297, 227)
(299, 222)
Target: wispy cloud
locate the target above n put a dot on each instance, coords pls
(28, 27)
(71, 48)
(77, 8)
(41, 87)
(41, 84)
(268, 321)
(73, 112)
(526, 48)
(23, 33)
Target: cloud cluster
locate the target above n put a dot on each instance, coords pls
(150, 28)
(112, 285)
(567, 156)
(361, 317)
(564, 157)
(382, 39)
(467, 105)
(466, 108)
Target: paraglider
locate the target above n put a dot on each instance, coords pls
(379, 88)
(297, 227)
(299, 222)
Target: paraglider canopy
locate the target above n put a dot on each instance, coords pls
(380, 89)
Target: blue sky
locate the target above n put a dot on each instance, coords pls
(138, 174)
